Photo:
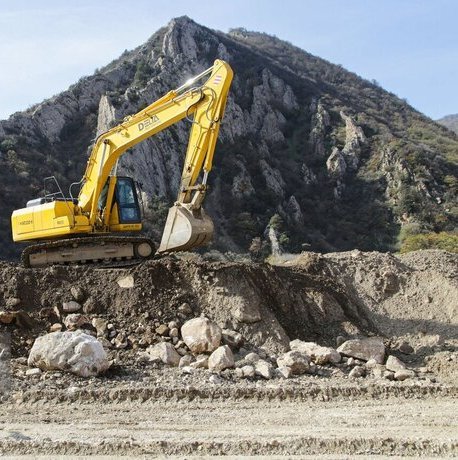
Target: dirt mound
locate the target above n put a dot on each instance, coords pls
(312, 297)
(267, 304)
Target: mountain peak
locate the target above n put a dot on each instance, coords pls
(450, 122)
(181, 21)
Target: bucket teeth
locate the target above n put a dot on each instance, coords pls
(185, 229)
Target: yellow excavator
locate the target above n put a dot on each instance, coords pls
(78, 230)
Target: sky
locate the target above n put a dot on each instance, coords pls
(409, 46)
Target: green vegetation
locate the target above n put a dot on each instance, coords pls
(443, 240)
(142, 73)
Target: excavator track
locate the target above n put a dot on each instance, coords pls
(104, 251)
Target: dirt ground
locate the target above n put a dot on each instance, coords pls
(389, 427)
(144, 409)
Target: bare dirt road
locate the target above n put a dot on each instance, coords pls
(352, 426)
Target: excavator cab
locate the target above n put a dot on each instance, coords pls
(119, 196)
(127, 200)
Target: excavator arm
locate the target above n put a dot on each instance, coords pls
(204, 106)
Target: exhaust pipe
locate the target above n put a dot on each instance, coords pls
(185, 229)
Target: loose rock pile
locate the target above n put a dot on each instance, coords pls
(201, 344)
(321, 316)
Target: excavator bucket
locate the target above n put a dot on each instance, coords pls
(185, 229)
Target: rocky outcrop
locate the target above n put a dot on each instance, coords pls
(241, 184)
(273, 178)
(354, 141)
(320, 123)
(336, 164)
(106, 115)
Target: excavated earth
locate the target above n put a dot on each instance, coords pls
(141, 408)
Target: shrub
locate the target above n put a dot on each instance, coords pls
(443, 240)
(142, 73)
(7, 144)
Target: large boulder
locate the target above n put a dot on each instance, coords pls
(264, 369)
(75, 352)
(394, 364)
(165, 352)
(365, 349)
(201, 335)
(299, 363)
(222, 358)
(318, 354)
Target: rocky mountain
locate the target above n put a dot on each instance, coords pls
(317, 155)
(450, 122)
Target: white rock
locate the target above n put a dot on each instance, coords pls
(365, 349)
(248, 371)
(56, 327)
(264, 369)
(76, 352)
(222, 358)
(201, 335)
(296, 361)
(215, 379)
(252, 357)
(126, 282)
(284, 372)
(357, 372)
(185, 361)
(404, 374)
(187, 370)
(372, 363)
(232, 338)
(165, 352)
(201, 362)
(174, 333)
(394, 364)
(71, 307)
(239, 372)
(33, 371)
(319, 354)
